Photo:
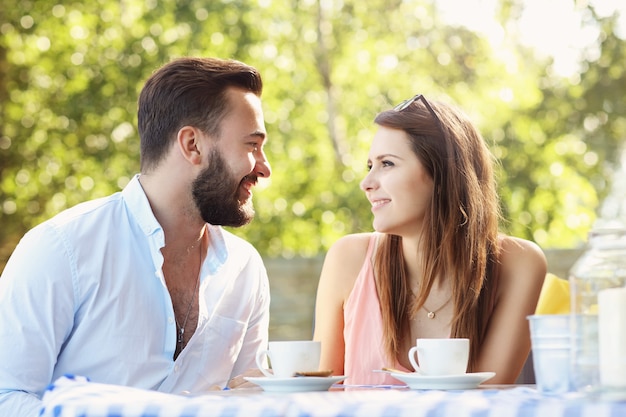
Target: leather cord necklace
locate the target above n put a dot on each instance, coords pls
(180, 330)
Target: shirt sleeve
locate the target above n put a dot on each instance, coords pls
(36, 312)
(19, 404)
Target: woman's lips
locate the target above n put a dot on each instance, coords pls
(376, 204)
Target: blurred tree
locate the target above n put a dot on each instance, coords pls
(70, 74)
(559, 155)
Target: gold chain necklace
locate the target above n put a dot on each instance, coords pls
(431, 314)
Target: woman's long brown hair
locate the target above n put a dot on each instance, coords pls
(460, 240)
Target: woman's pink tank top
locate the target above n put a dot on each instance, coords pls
(363, 330)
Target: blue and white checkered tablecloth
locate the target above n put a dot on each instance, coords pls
(76, 397)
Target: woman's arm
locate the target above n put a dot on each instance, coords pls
(341, 267)
(523, 268)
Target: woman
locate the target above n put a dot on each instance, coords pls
(436, 267)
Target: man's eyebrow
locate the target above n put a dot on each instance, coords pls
(259, 134)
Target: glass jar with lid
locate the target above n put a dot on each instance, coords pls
(601, 267)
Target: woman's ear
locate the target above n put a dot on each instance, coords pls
(189, 144)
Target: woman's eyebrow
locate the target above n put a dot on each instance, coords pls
(387, 155)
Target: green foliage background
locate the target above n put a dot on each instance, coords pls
(70, 73)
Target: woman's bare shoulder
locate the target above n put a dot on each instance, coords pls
(515, 246)
(352, 245)
(345, 257)
(349, 250)
(521, 257)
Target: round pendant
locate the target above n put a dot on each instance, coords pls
(431, 315)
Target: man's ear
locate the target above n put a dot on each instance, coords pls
(189, 144)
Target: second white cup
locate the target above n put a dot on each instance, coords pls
(440, 356)
(288, 357)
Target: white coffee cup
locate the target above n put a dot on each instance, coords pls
(440, 356)
(288, 357)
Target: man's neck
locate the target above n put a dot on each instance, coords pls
(174, 210)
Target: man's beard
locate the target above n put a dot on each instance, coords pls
(216, 195)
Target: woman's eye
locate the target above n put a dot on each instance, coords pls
(382, 164)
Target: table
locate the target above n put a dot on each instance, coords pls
(77, 397)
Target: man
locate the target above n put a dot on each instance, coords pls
(143, 288)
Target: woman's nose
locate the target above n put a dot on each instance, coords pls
(367, 183)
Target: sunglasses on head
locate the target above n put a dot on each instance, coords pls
(406, 103)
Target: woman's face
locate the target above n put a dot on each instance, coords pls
(397, 185)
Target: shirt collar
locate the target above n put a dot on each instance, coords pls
(139, 206)
(218, 251)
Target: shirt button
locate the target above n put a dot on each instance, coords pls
(176, 368)
(170, 320)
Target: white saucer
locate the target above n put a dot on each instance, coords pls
(443, 382)
(296, 384)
